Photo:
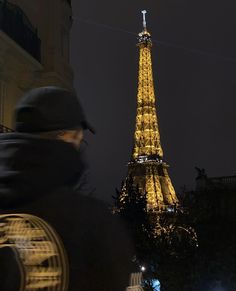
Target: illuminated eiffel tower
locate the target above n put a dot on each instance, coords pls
(147, 168)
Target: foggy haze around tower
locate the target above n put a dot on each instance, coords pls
(194, 64)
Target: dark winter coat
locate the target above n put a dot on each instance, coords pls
(37, 177)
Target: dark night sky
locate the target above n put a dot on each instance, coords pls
(194, 63)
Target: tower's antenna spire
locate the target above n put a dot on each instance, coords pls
(144, 19)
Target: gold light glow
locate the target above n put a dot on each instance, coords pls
(147, 168)
(147, 136)
(39, 249)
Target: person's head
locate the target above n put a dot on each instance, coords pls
(73, 136)
(53, 113)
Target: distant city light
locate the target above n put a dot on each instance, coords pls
(156, 285)
(143, 268)
(170, 209)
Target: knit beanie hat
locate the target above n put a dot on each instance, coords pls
(49, 108)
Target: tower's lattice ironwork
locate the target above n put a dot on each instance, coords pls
(147, 168)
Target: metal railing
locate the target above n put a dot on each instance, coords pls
(17, 26)
(4, 129)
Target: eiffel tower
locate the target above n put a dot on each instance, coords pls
(147, 168)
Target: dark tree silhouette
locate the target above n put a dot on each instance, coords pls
(164, 243)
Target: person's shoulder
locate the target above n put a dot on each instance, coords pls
(72, 204)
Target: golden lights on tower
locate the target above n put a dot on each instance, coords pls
(147, 136)
(147, 168)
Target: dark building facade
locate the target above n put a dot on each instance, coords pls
(211, 208)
